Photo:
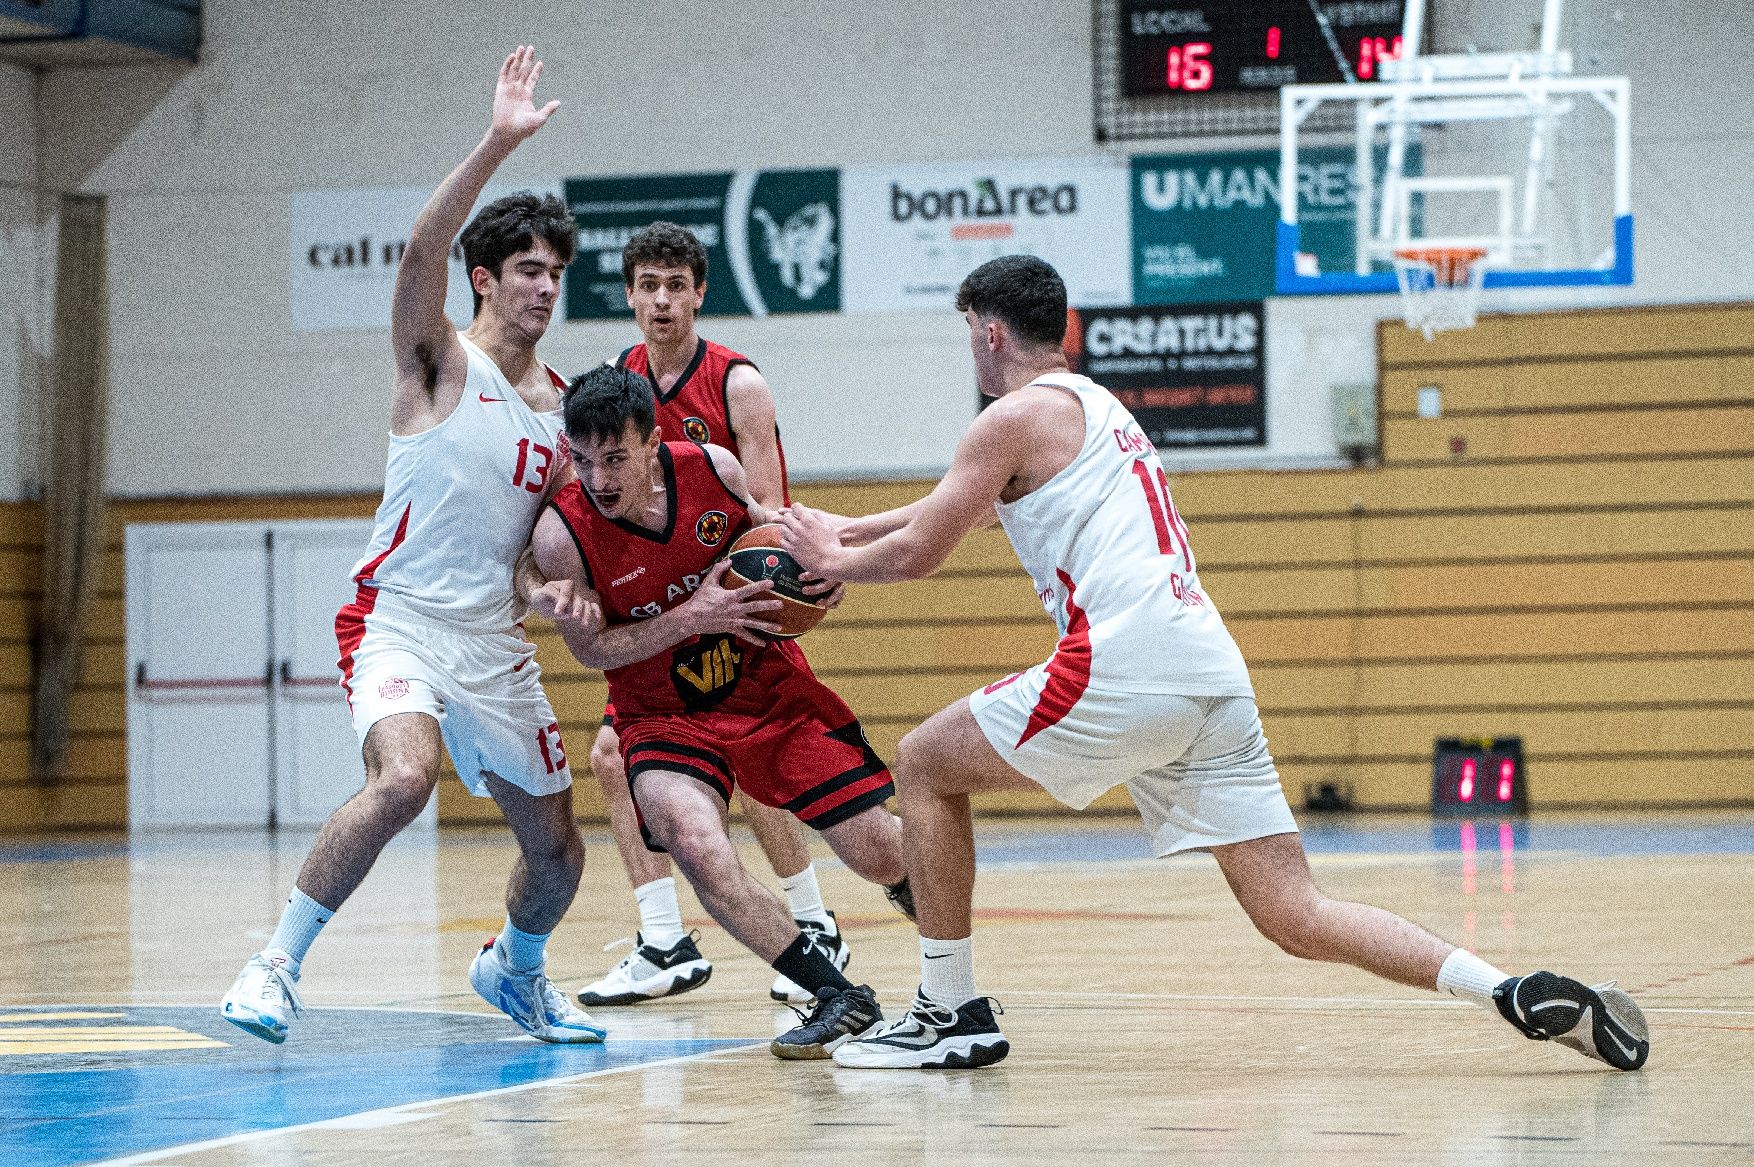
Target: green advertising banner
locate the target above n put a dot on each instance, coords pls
(1204, 224)
(772, 238)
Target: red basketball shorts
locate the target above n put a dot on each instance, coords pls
(806, 754)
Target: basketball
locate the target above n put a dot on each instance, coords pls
(756, 555)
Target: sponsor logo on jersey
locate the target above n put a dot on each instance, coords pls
(696, 431)
(393, 689)
(628, 578)
(706, 671)
(710, 528)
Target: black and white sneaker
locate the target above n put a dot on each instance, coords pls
(837, 1017)
(826, 939)
(1600, 1022)
(932, 1037)
(901, 898)
(648, 972)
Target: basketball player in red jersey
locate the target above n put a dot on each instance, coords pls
(705, 393)
(703, 704)
(1146, 688)
(437, 624)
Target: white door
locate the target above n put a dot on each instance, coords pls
(317, 762)
(198, 675)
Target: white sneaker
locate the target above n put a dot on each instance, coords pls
(832, 946)
(264, 995)
(530, 999)
(649, 972)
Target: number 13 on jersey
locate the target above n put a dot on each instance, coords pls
(1164, 519)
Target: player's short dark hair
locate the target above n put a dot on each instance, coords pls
(601, 401)
(1024, 292)
(507, 226)
(664, 244)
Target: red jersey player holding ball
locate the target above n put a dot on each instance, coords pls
(705, 393)
(704, 704)
(1145, 688)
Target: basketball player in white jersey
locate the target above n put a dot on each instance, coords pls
(1145, 688)
(432, 648)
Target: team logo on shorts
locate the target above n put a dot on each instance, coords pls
(696, 431)
(711, 528)
(393, 689)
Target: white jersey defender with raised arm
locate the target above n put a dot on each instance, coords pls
(435, 626)
(1146, 685)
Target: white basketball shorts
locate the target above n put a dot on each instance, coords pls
(1197, 767)
(485, 690)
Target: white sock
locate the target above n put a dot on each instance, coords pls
(660, 916)
(1466, 976)
(804, 895)
(521, 951)
(947, 971)
(299, 924)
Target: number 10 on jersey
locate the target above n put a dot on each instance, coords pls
(1169, 526)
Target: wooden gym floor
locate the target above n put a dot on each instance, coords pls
(1148, 1022)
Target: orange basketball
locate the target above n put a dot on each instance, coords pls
(756, 555)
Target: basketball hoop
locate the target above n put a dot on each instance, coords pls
(1440, 286)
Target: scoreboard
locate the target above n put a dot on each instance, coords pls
(1231, 46)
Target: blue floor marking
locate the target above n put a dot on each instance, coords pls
(60, 1118)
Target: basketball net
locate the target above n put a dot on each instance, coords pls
(1440, 286)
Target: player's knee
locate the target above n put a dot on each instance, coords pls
(565, 850)
(1294, 928)
(606, 761)
(914, 761)
(400, 788)
(698, 847)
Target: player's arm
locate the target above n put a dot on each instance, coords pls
(749, 403)
(861, 531)
(600, 645)
(430, 365)
(989, 456)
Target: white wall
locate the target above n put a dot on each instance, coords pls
(213, 392)
(21, 323)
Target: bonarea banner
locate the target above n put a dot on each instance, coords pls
(913, 232)
(1192, 374)
(346, 246)
(773, 238)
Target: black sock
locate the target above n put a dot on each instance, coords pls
(803, 964)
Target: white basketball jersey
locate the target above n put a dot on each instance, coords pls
(1111, 561)
(460, 501)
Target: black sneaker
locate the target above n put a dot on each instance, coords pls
(1600, 1022)
(901, 897)
(931, 1037)
(648, 972)
(837, 1017)
(826, 940)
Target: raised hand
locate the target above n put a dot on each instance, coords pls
(515, 116)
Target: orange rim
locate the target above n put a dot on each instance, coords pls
(1450, 265)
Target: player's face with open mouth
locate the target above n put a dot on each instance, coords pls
(664, 302)
(618, 473)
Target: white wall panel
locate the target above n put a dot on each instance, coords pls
(215, 393)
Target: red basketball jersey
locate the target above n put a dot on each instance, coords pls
(639, 573)
(698, 406)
